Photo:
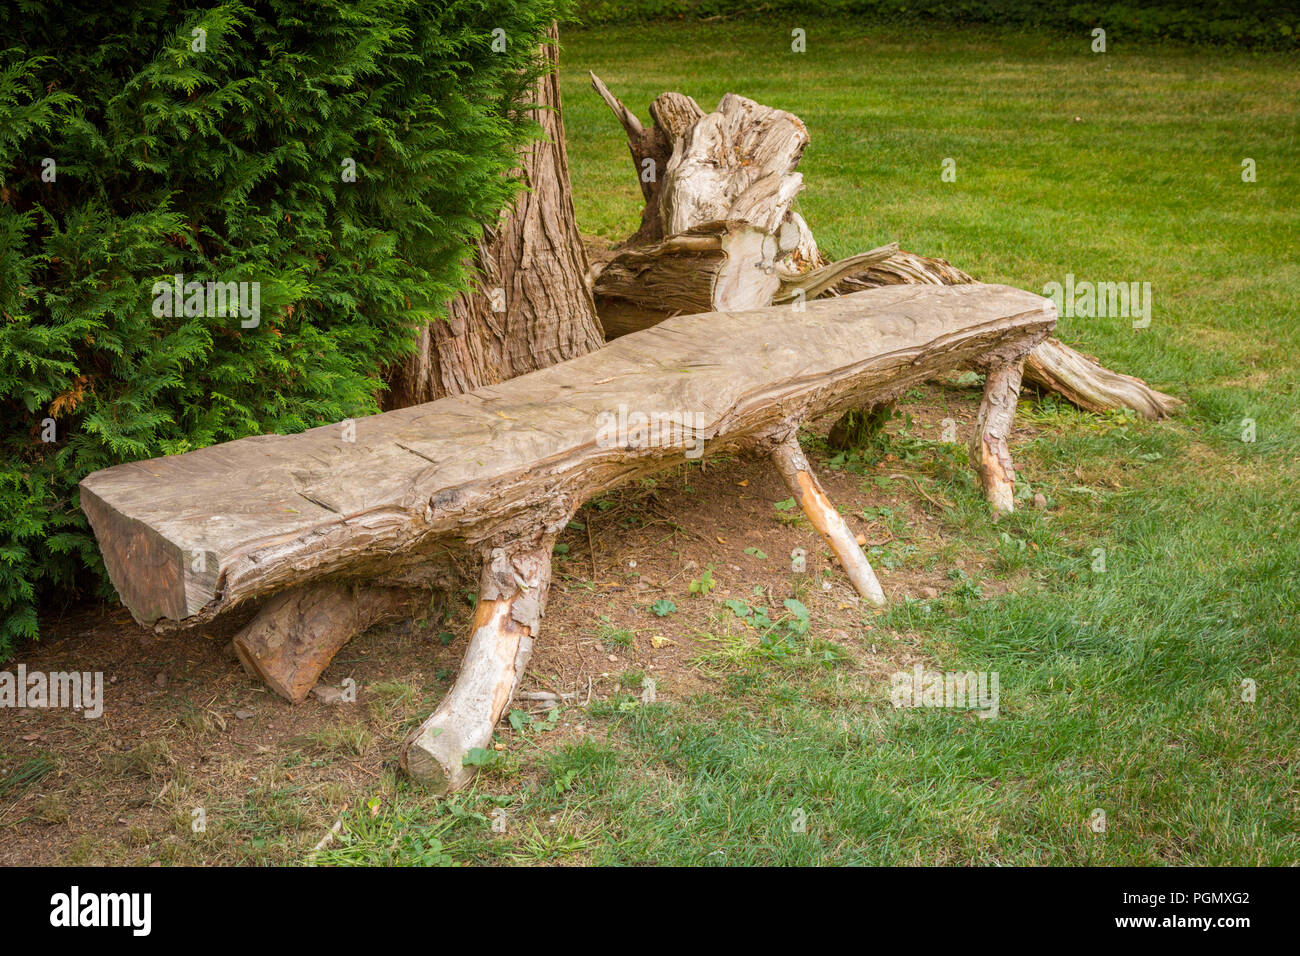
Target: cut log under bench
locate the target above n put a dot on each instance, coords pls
(341, 526)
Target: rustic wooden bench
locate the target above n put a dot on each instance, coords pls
(342, 526)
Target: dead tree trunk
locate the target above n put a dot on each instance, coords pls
(530, 307)
(738, 165)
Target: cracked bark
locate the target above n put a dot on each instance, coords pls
(530, 307)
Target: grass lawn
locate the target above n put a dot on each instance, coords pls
(1121, 689)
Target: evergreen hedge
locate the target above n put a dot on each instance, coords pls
(145, 139)
(1260, 24)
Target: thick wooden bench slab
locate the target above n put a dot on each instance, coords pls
(388, 499)
(265, 512)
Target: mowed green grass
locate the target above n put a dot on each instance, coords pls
(1120, 691)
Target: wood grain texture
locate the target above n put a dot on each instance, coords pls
(735, 163)
(1055, 367)
(671, 114)
(714, 267)
(513, 460)
(990, 456)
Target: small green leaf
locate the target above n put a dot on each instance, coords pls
(479, 757)
(704, 583)
(739, 608)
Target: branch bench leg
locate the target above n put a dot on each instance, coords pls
(512, 599)
(830, 524)
(989, 454)
(296, 634)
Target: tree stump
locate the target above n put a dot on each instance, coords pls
(738, 164)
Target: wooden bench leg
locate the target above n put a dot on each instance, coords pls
(989, 454)
(297, 633)
(830, 524)
(512, 598)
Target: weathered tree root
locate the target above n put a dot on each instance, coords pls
(1052, 367)
(1055, 367)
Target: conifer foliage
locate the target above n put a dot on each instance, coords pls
(337, 158)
